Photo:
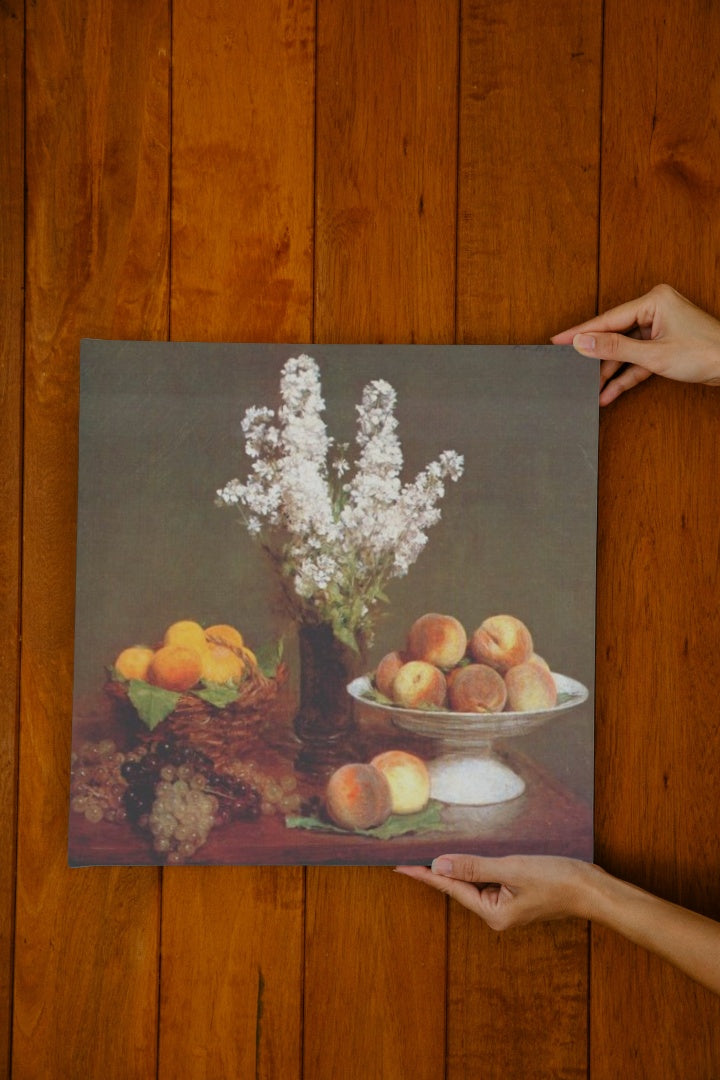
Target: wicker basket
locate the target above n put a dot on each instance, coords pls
(221, 733)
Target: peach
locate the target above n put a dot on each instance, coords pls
(477, 688)
(386, 671)
(221, 665)
(358, 797)
(502, 641)
(419, 684)
(452, 674)
(530, 687)
(437, 639)
(133, 663)
(408, 778)
(187, 633)
(222, 634)
(539, 660)
(175, 667)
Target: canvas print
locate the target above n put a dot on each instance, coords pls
(334, 603)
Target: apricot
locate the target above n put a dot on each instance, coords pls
(477, 688)
(222, 634)
(249, 657)
(133, 663)
(530, 687)
(358, 797)
(386, 671)
(221, 665)
(175, 667)
(408, 778)
(187, 633)
(437, 639)
(419, 684)
(502, 641)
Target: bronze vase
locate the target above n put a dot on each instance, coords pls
(324, 722)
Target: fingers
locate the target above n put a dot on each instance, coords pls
(475, 868)
(621, 349)
(609, 368)
(628, 378)
(421, 873)
(494, 903)
(640, 311)
(462, 891)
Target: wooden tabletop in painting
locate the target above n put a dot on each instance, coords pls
(545, 818)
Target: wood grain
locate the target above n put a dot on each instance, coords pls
(97, 180)
(386, 169)
(657, 748)
(243, 106)
(385, 256)
(528, 169)
(454, 185)
(527, 242)
(12, 225)
(243, 144)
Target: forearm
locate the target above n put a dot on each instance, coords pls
(689, 941)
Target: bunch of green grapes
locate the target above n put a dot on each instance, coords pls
(97, 785)
(175, 793)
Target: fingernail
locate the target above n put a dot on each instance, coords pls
(442, 866)
(584, 341)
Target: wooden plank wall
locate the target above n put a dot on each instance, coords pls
(379, 171)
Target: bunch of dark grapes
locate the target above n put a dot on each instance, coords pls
(175, 793)
(278, 795)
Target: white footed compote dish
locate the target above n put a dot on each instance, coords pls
(468, 772)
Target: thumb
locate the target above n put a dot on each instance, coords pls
(468, 868)
(620, 348)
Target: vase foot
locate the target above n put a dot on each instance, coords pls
(318, 762)
(321, 757)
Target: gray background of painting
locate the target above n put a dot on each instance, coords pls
(160, 433)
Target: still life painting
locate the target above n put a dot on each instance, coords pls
(334, 603)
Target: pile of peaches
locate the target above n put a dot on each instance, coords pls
(363, 796)
(188, 655)
(492, 670)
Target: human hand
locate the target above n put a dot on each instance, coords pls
(521, 889)
(513, 890)
(660, 333)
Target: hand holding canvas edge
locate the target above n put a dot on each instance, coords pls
(659, 333)
(517, 890)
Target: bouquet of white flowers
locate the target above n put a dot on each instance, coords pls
(336, 533)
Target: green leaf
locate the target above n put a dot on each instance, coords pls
(152, 703)
(373, 694)
(269, 657)
(218, 694)
(342, 633)
(333, 593)
(427, 820)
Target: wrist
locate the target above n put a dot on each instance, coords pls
(612, 902)
(596, 893)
